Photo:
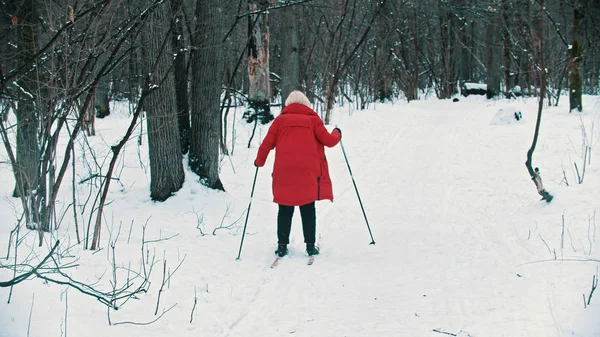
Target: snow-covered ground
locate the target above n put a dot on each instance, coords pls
(463, 245)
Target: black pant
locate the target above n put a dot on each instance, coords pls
(284, 222)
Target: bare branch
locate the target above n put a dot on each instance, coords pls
(594, 286)
(444, 332)
(32, 272)
(30, 314)
(165, 239)
(162, 285)
(231, 225)
(194, 307)
(148, 323)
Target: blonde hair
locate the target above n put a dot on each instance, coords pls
(297, 97)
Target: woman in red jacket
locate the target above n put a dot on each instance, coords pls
(300, 173)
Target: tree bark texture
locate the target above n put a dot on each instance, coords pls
(181, 75)
(101, 106)
(207, 75)
(493, 51)
(464, 38)
(28, 148)
(166, 166)
(447, 51)
(576, 58)
(507, 47)
(331, 84)
(525, 75)
(258, 57)
(406, 60)
(539, 51)
(290, 51)
(383, 46)
(7, 32)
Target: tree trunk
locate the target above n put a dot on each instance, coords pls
(181, 75)
(331, 88)
(538, 48)
(166, 167)
(207, 74)
(258, 58)
(7, 50)
(28, 148)
(507, 46)
(290, 52)
(383, 71)
(594, 74)
(521, 28)
(576, 58)
(226, 106)
(493, 59)
(447, 72)
(101, 106)
(411, 57)
(464, 37)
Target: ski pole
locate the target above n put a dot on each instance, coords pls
(248, 213)
(357, 194)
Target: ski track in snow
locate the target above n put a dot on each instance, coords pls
(453, 214)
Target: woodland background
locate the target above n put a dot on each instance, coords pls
(182, 65)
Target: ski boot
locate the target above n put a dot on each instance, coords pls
(311, 249)
(281, 250)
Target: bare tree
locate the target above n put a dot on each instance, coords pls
(383, 55)
(28, 148)
(290, 51)
(207, 75)
(464, 29)
(258, 57)
(259, 93)
(57, 72)
(407, 48)
(493, 54)
(447, 50)
(342, 46)
(178, 38)
(591, 63)
(526, 75)
(166, 166)
(507, 46)
(576, 56)
(538, 44)
(101, 99)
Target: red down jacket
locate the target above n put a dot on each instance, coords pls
(300, 173)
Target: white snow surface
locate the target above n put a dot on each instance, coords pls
(464, 246)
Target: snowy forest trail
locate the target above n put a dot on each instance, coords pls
(459, 229)
(443, 258)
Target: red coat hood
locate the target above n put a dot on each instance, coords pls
(299, 109)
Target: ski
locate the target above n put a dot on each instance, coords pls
(275, 263)
(311, 258)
